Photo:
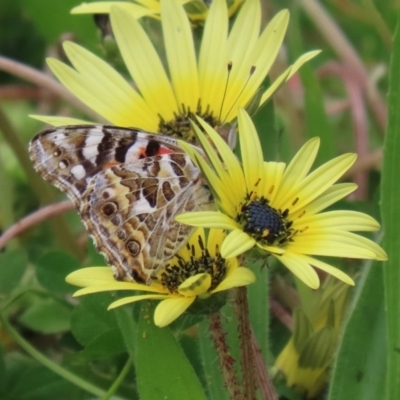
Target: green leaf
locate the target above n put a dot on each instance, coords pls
(104, 345)
(12, 267)
(359, 369)
(46, 316)
(52, 268)
(128, 327)
(91, 317)
(163, 371)
(391, 218)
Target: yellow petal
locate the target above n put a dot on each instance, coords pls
(287, 74)
(180, 51)
(337, 273)
(103, 7)
(207, 219)
(316, 183)
(144, 64)
(339, 219)
(236, 243)
(91, 276)
(300, 268)
(170, 309)
(97, 288)
(271, 180)
(114, 90)
(239, 277)
(213, 70)
(264, 53)
(330, 196)
(214, 241)
(230, 162)
(195, 285)
(133, 299)
(334, 243)
(252, 156)
(297, 170)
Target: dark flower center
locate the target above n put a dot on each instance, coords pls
(175, 274)
(180, 127)
(263, 222)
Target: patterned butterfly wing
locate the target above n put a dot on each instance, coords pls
(128, 186)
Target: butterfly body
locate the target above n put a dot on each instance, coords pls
(128, 186)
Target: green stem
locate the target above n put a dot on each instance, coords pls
(57, 369)
(116, 384)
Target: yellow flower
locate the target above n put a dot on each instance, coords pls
(195, 273)
(277, 208)
(197, 10)
(225, 75)
(305, 360)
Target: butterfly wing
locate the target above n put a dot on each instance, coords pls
(128, 186)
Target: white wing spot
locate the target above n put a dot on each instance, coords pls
(62, 165)
(78, 172)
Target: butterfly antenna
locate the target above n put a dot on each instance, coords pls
(252, 69)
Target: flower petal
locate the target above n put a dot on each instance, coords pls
(271, 179)
(330, 196)
(337, 273)
(287, 74)
(252, 156)
(300, 268)
(195, 285)
(144, 64)
(241, 276)
(336, 243)
(339, 219)
(300, 194)
(298, 169)
(264, 53)
(180, 51)
(90, 276)
(236, 243)
(104, 7)
(213, 70)
(170, 309)
(133, 299)
(207, 219)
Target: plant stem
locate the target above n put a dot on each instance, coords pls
(241, 310)
(40, 215)
(226, 361)
(264, 382)
(56, 368)
(116, 384)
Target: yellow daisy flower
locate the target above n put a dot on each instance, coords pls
(197, 10)
(195, 273)
(226, 74)
(305, 360)
(277, 208)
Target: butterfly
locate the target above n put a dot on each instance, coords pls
(127, 185)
